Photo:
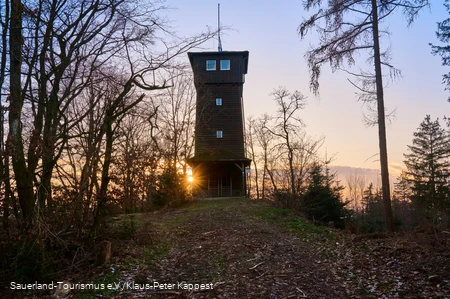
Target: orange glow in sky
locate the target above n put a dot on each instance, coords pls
(268, 30)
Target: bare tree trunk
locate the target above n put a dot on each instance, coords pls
(272, 179)
(291, 165)
(256, 176)
(7, 188)
(24, 179)
(4, 159)
(92, 143)
(263, 137)
(287, 127)
(263, 186)
(48, 161)
(102, 193)
(381, 123)
(251, 147)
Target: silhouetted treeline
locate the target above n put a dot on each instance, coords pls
(96, 117)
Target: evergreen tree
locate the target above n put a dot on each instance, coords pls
(405, 213)
(322, 200)
(170, 189)
(372, 216)
(402, 188)
(369, 198)
(443, 34)
(428, 165)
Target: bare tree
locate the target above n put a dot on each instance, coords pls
(251, 153)
(67, 47)
(176, 117)
(305, 154)
(4, 159)
(85, 145)
(264, 139)
(346, 28)
(24, 179)
(118, 104)
(135, 159)
(284, 167)
(112, 143)
(287, 124)
(356, 184)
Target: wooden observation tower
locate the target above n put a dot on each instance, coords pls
(219, 164)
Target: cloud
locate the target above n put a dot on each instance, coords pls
(369, 175)
(395, 168)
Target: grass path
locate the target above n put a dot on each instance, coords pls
(227, 248)
(238, 248)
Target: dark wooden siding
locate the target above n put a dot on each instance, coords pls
(218, 162)
(227, 118)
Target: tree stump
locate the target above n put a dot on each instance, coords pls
(104, 253)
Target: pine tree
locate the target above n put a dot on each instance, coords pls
(428, 165)
(402, 188)
(443, 34)
(322, 200)
(405, 213)
(372, 217)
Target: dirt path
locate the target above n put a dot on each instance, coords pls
(232, 253)
(237, 248)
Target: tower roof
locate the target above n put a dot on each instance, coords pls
(218, 55)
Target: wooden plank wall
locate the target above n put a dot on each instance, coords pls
(227, 118)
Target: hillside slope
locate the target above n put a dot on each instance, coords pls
(233, 246)
(238, 248)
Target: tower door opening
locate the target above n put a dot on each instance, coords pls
(219, 185)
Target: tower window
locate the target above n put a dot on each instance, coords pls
(218, 102)
(219, 134)
(224, 65)
(210, 65)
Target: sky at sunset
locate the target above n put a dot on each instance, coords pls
(268, 30)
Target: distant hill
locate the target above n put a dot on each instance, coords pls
(369, 175)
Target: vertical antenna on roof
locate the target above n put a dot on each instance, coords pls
(218, 29)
